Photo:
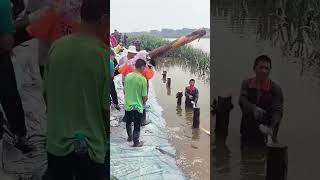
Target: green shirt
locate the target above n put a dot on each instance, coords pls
(6, 23)
(77, 87)
(135, 87)
(111, 66)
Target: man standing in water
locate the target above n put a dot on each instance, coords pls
(136, 95)
(191, 93)
(261, 103)
(77, 87)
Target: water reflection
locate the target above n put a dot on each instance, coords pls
(195, 134)
(179, 110)
(168, 91)
(252, 162)
(221, 156)
(195, 137)
(188, 115)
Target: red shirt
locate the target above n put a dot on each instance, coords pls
(113, 41)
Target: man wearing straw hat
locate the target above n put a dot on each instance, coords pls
(131, 52)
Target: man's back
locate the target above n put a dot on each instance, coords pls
(78, 93)
(135, 89)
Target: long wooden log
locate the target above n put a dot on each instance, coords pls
(177, 43)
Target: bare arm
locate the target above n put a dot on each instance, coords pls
(144, 99)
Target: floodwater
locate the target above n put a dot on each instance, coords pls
(203, 44)
(242, 30)
(192, 145)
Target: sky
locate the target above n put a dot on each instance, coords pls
(145, 15)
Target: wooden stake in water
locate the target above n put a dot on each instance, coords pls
(169, 83)
(196, 117)
(223, 108)
(277, 162)
(168, 91)
(179, 97)
(164, 74)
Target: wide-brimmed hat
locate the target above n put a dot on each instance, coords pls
(132, 49)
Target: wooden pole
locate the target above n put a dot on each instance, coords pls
(164, 75)
(177, 43)
(196, 117)
(169, 82)
(277, 162)
(168, 91)
(179, 96)
(223, 109)
(164, 81)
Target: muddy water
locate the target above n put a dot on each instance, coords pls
(203, 44)
(192, 145)
(237, 29)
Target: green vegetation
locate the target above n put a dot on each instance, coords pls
(169, 33)
(194, 57)
(292, 25)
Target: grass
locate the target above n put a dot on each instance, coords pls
(294, 25)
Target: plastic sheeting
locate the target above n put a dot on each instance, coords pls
(33, 165)
(156, 159)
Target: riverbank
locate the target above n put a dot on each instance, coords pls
(156, 159)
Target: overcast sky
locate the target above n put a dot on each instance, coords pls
(145, 15)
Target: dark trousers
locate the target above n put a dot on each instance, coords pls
(41, 68)
(73, 165)
(10, 97)
(188, 101)
(113, 93)
(135, 117)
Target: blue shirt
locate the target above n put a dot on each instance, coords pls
(6, 22)
(111, 66)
